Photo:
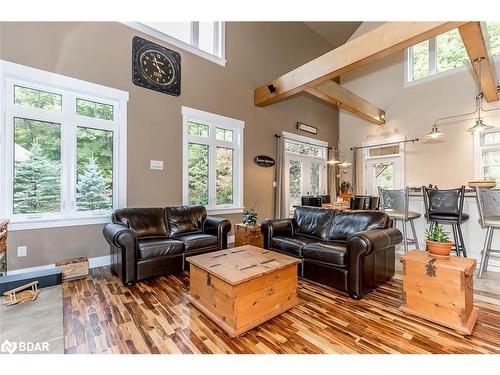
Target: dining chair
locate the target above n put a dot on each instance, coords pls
(488, 201)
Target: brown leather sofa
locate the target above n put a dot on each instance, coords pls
(149, 242)
(353, 251)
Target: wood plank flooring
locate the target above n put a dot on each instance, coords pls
(102, 316)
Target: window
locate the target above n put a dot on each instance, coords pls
(63, 149)
(383, 167)
(488, 156)
(205, 39)
(444, 52)
(213, 161)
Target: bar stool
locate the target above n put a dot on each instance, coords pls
(445, 206)
(488, 201)
(395, 204)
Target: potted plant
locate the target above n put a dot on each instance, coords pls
(345, 190)
(438, 242)
(249, 218)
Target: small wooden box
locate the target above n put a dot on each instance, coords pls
(3, 246)
(74, 269)
(243, 287)
(439, 290)
(245, 235)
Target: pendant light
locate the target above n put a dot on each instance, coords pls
(435, 133)
(479, 126)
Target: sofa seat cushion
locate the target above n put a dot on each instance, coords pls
(292, 245)
(158, 246)
(333, 253)
(197, 240)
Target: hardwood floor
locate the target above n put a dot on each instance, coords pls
(101, 316)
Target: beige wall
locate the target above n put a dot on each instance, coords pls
(100, 53)
(411, 111)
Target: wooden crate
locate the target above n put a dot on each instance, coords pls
(245, 235)
(3, 246)
(74, 269)
(439, 290)
(243, 287)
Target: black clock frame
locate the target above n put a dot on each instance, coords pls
(139, 45)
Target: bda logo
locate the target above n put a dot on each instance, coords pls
(8, 347)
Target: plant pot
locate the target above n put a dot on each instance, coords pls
(439, 249)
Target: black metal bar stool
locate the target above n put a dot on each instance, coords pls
(395, 204)
(445, 206)
(488, 201)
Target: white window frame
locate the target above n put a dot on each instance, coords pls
(11, 75)
(219, 40)
(478, 150)
(214, 121)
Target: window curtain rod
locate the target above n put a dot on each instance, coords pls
(304, 142)
(385, 144)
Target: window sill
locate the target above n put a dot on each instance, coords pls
(26, 224)
(224, 211)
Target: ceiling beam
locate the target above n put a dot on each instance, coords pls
(477, 45)
(373, 45)
(336, 95)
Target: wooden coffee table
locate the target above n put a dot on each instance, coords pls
(243, 287)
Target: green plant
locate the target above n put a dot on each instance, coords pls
(436, 233)
(345, 186)
(249, 217)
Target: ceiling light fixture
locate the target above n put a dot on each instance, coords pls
(435, 133)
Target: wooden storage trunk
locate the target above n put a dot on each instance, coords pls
(74, 269)
(245, 235)
(243, 287)
(439, 290)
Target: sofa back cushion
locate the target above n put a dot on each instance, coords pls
(346, 223)
(185, 219)
(146, 222)
(313, 221)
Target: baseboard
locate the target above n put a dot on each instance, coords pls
(230, 239)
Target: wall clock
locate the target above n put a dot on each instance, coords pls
(156, 67)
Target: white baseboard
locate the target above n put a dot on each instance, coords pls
(31, 269)
(102, 261)
(230, 239)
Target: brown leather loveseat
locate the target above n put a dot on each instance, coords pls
(148, 242)
(353, 251)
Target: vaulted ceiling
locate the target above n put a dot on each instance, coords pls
(336, 33)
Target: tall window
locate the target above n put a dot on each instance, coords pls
(202, 38)
(488, 156)
(444, 52)
(213, 161)
(63, 153)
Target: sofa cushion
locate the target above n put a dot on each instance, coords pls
(185, 219)
(313, 222)
(327, 252)
(347, 222)
(158, 246)
(291, 245)
(197, 240)
(146, 222)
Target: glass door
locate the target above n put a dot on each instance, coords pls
(384, 172)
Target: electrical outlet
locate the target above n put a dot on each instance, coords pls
(22, 251)
(156, 165)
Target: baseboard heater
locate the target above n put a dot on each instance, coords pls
(45, 278)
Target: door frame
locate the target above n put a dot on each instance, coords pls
(380, 159)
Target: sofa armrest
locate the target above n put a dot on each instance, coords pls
(219, 227)
(276, 227)
(123, 243)
(378, 247)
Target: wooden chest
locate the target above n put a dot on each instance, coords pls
(245, 235)
(74, 269)
(439, 290)
(242, 287)
(3, 246)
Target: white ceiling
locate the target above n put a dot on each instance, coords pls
(337, 33)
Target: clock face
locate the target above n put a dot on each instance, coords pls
(155, 67)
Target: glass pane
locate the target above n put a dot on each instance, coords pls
(206, 37)
(224, 134)
(38, 99)
(494, 36)
(420, 60)
(198, 174)
(450, 51)
(315, 177)
(199, 130)
(492, 174)
(491, 157)
(94, 109)
(303, 149)
(492, 138)
(388, 150)
(94, 184)
(295, 183)
(384, 175)
(177, 30)
(37, 166)
(224, 175)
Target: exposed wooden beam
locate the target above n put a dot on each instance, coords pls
(373, 45)
(477, 45)
(334, 94)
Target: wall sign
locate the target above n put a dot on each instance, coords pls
(264, 161)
